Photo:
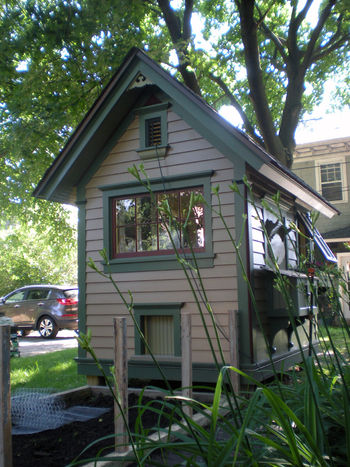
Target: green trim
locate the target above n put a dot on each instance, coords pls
(81, 202)
(148, 113)
(242, 287)
(167, 183)
(157, 262)
(202, 372)
(156, 309)
(145, 370)
(105, 152)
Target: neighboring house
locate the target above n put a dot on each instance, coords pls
(146, 116)
(325, 166)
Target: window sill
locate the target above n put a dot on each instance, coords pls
(152, 153)
(155, 263)
(160, 358)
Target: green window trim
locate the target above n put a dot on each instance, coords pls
(158, 309)
(163, 261)
(147, 115)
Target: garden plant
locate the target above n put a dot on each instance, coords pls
(300, 417)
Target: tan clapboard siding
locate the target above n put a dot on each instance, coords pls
(165, 284)
(217, 272)
(188, 153)
(152, 296)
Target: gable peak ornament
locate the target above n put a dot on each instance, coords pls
(140, 81)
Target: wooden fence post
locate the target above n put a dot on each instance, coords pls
(121, 378)
(234, 348)
(5, 398)
(186, 360)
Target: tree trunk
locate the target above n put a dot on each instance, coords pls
(272, 142)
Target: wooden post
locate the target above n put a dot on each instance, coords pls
(121, 387)
(186, 363)
(234, 348)
(5, 398)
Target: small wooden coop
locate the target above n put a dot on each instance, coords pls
(145, 116)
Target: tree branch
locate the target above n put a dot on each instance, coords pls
(233, 101)
(327, 49)
(255, 79)
(270, 35)
(180, 40)
(307, 60)
(187, 27)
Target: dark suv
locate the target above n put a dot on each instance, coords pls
(46, 308)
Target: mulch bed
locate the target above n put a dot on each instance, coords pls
(57, 448)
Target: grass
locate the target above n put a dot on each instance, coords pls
(56, 370)
(339, 337)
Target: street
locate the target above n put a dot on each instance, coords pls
(34, 344)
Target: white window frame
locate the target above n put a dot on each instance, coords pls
(334, 160)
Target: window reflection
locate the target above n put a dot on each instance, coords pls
(146, 224)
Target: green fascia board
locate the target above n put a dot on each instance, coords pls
(86, 136)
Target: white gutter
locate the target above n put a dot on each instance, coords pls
(304, 197)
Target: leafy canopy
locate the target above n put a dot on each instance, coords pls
(267, 58)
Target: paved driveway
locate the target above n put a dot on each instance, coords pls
(34, 344)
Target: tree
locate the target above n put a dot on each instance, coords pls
(29, 257)
(267, 58)
(285, 50)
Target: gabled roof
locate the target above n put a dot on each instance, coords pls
(110, 111)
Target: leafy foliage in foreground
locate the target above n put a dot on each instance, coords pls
(301, 419)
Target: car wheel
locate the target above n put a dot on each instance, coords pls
(47, 327)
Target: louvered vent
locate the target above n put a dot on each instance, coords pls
(153, 132)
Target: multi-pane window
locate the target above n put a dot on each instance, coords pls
(331, 181)
(157, 224)
(273, 239)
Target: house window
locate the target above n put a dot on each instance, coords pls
(331, 181)
(273, 240)
(142, 227)
(153, 131)
(159, 333)
(161, 327)
(139, 236)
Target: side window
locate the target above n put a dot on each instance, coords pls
(160, 325)
(38, 294)
(272, 239)
(331, 180)
(16, 297)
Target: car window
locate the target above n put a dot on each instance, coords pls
(38, 294)
(73, 293)
(16, 297)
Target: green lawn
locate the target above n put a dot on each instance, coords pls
(340, 339)
(56, 370)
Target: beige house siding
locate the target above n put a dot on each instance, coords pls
(188, 153)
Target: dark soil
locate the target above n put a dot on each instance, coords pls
(57, 448)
